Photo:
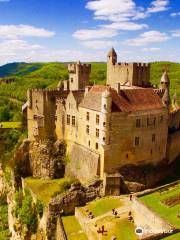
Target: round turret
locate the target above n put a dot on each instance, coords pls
(106, 102)
(165, 80)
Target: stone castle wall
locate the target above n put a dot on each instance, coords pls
(137, 74)
(82, 163)
(173, 149)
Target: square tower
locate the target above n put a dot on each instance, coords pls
(78, 76)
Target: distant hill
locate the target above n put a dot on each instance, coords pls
(47, 75)
(18, 69)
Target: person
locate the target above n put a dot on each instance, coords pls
(129, 214)
(130, 197)
(115, 214)
(113, 210)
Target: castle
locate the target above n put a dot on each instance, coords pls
(128, 122)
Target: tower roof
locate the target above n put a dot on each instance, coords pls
(166, 98)
(112, 52)
(165, 77)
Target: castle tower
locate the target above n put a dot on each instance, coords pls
(78, 76)
(165, 84)
(106, 104)
(112, 57)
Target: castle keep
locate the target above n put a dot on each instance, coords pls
(108, 130)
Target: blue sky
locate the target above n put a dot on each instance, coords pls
(70, 30)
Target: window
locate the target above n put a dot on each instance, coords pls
(72, 80)
(36, 101)
(87, 116)
(161, 119)
(154, 121)
(89, 143)
(104, 139)
(153, 138)
(87, 129)
(104, 124)
(97, 146)
(73, 121)
(97, 132)
(105, 106)
(147, 121)
(138, 123)
(97, 119)
(127, 155)
(68, 119)
(136, 141)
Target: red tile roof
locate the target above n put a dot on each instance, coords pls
(127, 101)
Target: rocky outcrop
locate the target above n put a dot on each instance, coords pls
(65, 204)
(47, 159)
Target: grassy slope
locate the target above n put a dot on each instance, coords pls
(169, 213)
(73, 229)
(46, 189)
(43, 75)
(103, 205)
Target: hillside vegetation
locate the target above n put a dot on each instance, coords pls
(48, 75)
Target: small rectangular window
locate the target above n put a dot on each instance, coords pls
(136, 141)
(68, 119)
(97, 132)
(138, 123)
(97, 119)
(87, 129)
(147, 121)
(155, 121)
(97, 146)
(87, 116)
(153, 137)
(73, 121)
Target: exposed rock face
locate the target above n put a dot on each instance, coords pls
(76, 196)
(138, 178)
(65, 204)
(47, 159)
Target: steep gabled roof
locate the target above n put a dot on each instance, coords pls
(127, 101)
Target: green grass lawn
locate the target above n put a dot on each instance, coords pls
(154, 201)
(46, 189)
(122, 229)
(103, 205)
(73, 229)
(10, 124)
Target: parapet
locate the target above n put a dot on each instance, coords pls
(79, 67)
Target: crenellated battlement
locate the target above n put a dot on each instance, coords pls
(79, 67)
(134, 73)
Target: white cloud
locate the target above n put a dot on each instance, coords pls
(114, 10)
(4, 0)
(127, 26)
(99, 44)
(19, 31)
(147, 38)
(88, 34)
(176, 33)
(153, 49)
(158, 6)
(175, 14)
(15, 46)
